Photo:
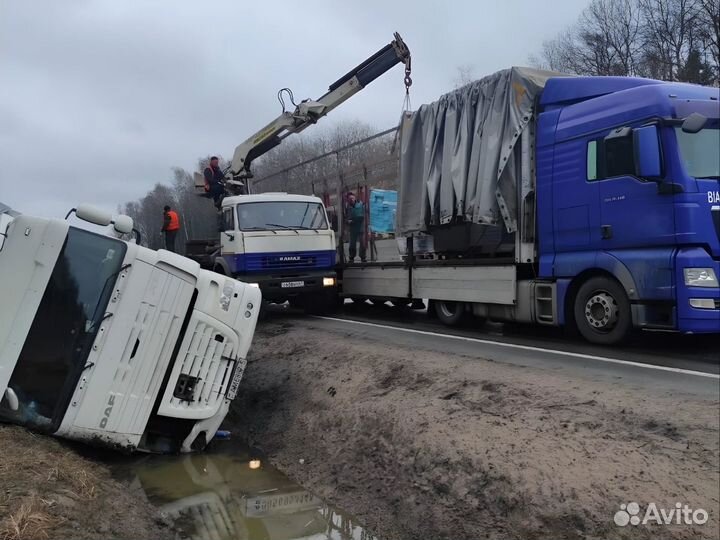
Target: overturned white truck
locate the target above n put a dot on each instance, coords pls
(108, 342)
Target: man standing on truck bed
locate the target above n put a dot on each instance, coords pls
(355, 215)
(213, 178)
(171, 226)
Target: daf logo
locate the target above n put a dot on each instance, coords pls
(108, 410)
(290, 258)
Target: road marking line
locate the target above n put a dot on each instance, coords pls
(529, 348)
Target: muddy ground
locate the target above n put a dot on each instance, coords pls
(425, 446)
(48, 491)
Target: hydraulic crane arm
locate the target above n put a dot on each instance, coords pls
(308, 112)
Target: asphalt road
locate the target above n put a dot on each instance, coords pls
(656, 361)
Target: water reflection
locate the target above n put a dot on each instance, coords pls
(222, 497)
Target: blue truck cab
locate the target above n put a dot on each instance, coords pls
(628, 204)
(281, 243)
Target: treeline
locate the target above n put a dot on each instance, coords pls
(671, 40)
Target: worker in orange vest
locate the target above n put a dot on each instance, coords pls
(171, 226)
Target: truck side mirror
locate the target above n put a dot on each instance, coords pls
(694, 123)
(91, 214)
(648, 162)
(12, 399)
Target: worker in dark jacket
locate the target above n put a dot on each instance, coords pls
(355, 215)
(213, 178)
(171, 226)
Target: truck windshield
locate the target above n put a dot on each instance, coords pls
(278, 215)
(64, 328)
(699, 152)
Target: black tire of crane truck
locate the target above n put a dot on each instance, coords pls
(449, 313)
(327, 301)
(602, 311)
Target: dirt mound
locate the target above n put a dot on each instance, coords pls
(421, 445)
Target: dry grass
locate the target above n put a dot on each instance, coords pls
(30, 521)
(49, 492)
(78, 479)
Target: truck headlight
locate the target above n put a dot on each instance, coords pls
(328, 281)
(255, 285)
(700, 277)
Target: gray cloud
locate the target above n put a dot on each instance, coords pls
(99, 99)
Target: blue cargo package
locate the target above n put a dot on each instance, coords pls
(383, 205)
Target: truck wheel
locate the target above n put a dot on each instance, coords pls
(602, 311)
(326, 302)
(449, 313)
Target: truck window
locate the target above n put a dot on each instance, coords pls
(68, 318)
(279, 215)
(592, 160)
(699, 151)
(228, 219)
(610, 158)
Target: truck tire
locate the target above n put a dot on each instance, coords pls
(325, 303)
(602, 311)
(449, 313)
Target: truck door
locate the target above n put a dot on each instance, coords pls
(231, 245)
(633, 213)
(575, 199)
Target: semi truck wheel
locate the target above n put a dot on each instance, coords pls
(449, 313)
(602, 311)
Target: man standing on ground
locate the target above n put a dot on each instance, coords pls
(355, 216)
(171, 226)
(213, 177)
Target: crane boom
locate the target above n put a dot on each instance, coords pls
(308, 112)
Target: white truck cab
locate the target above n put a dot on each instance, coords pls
(281, 242)
(108, 342)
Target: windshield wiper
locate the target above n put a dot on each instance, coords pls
(711, 177)
(258, 229)
(286, 227)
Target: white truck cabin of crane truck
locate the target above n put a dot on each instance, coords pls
(111, 343)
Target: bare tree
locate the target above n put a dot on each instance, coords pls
(664, 39)
(709, 33)
(670, 30)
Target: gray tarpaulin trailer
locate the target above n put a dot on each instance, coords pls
(467, 179)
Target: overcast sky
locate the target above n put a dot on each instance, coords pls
(99, 99)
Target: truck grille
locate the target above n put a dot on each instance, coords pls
(715, 211)
(272, 261)
(206, 361)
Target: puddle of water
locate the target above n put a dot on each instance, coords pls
(223, 497)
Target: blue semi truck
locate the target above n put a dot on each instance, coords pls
(591, 202)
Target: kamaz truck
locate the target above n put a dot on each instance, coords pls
(110, 343)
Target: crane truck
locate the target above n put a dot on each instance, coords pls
(107, 342)
(282, 243)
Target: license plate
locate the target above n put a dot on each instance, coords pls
(235, 383)
(291, 284)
